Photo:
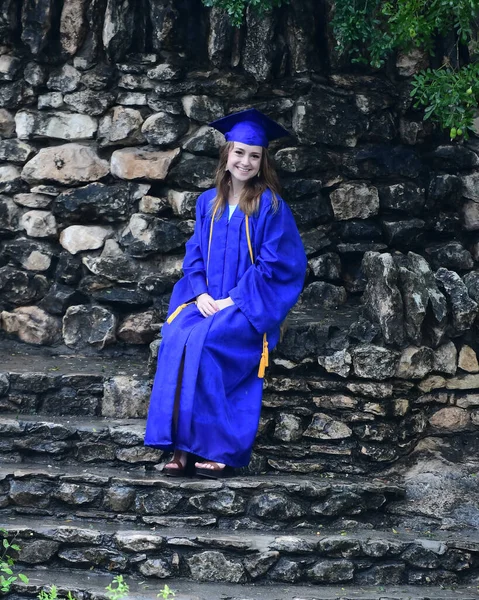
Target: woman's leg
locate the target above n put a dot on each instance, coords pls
(180, 457)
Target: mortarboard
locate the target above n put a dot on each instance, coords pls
(249, 127)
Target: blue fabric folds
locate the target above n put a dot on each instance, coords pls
(220, 393)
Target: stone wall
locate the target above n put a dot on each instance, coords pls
(104, 150)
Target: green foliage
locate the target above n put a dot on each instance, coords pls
(7, 563)
(166, 592)
(450, 97)
(117, 589)
(369, 31)
(53, 595)
(235, 8)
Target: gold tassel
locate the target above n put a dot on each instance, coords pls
(264, 362)
(176, 312)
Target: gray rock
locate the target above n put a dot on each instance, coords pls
(59, 125)
(323, 295)
(10, 180)
(89, 102)
(324, 427)
(222, 502)
(9, 67)
(156, 567)
(288, 428)
(10, 216)
(72, 25)
(326, 266)
(118, 28)
(451, 255)
(258, 49)
(79, 238)
(163, 129)
(7, 124)
(303, 158)
(272, 505)
(165, 72)
(52, 100)
(65, 79)
(30, 254)
(403, 197)
(39, 224)
(35, 552)
(202, 108)
(35, 74)
(15, 151)
(445, 359)
(220, 38)
(339, 363)
(354, 201)
(30, 493)
(258, 565)
(140, 328)
(214, 566)
(382, 297)
(464, 309)
(85, 326)
(114, 264)
(121, 126)
(95, 202)
(77, 494)
(415, 363)
(331, 571)
(99, 557)
(374, 362)
(204, 140)
(157, 502)
(119, 498)
(125, 397)
(147, 235)
(32, 325)
(144, 163)
(194, 172)
(36, 23)
(286, 570)
(33, 200)
(69, 164)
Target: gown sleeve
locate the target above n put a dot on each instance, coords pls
(193, 282)
(271, 287)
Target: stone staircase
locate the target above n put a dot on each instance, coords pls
(86, 500)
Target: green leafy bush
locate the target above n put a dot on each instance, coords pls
(236, 8)
(7, 563)
(369, 31)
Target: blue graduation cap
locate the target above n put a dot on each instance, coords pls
(249, 127)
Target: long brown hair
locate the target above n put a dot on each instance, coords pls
(251, 193)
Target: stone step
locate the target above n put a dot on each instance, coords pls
(269, 502)
(34, 382)
(327, 557)
(74, 440)
(91, 586)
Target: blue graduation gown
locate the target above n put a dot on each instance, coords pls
(220, 396)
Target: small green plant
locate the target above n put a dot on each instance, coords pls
(235, 9)
(7, 563)
(449, 97)
(53, 595)
(166, 592)
(117, 589)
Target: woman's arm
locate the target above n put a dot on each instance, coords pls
(270, 287)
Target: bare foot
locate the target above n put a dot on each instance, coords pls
(210, 464)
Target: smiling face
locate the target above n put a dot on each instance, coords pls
(244, 161)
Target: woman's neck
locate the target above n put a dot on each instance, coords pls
(235, 192)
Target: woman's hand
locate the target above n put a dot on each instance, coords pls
(224, 303)
(206, 305)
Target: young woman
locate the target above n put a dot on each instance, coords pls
(243, 271)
